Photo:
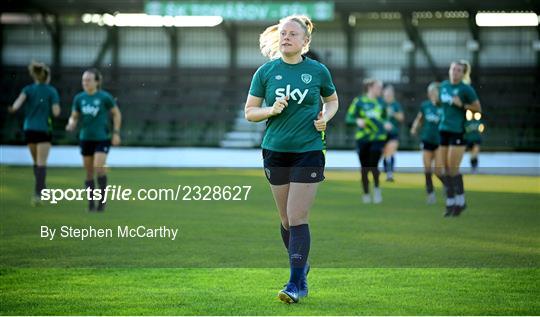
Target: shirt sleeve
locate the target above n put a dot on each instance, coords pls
(75, 106)
(55, 98)
(26, 90)
(257, 87)
(352, 112)
(397, 107)
(109, 101)
(327, 85)
(470, 94)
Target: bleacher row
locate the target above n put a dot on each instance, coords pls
(197, 106)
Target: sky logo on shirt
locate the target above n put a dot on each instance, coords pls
(296, 94)
(90, 110)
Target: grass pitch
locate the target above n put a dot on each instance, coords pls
(398, 258)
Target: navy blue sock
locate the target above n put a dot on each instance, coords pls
(90, 184)
(285, 235)
(442, 179)
(474, 162)
(458, 183)
(102, 183)
(450, 190)
(41, 174)
(385, 165)
(299, 244)
(392, 162)
(429, 182)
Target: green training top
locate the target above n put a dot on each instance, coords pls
(390, 110)
(37, 107)
(453, 118)
(374, 115)
(430, 127)
(304, 83)
(94, 110)
(472, 130)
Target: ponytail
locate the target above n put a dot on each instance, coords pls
(367, 83)
(466, 70)
(269, 39)
(39, 72)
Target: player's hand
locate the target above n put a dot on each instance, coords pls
(116, 139)
(388, 126)
(279, 105)
(320, 123)
(413, 131)
(457, 102)
(360, 123)
(70, 126)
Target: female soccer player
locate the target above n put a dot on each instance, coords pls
(369, 115)
(396, 118)
(95, 107)
(428, 118)
(40, 99)
(293, 147)
(474, 127)
(457, 96)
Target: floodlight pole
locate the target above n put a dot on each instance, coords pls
(230, 29)
(55, 31)
(475, 32)
(415, 37)
(172, 32)
(349, 31)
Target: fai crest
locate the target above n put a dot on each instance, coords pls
(306, 78)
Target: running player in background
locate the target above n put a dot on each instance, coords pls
(427, 120)
(95, 107)
(396, 117)
(369, 116)
(293, 147)
(474, 127)
(40, 101)
(457, 96)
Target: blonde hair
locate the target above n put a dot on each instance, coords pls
(466, 70)
(39, 71)
(368, 83)
(269, 39)
(432, 86)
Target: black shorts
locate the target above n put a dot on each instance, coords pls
(283, 168)
(451, 138)
(428, 146)
(33, 136)
(369, 152)
(392, 136)
(471, 144)
(88, 148)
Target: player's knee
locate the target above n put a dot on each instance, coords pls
(100, 171)
(297, 220)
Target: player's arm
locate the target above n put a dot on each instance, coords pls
(474, 106)
(330, 106)
(254, 112)
(117, 124)
(418, 121)
(329, 109)
(18, 103)
(73, 120)
(56, 110)
(399, 116)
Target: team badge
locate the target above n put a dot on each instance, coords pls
(306, 78)
(97, 102)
